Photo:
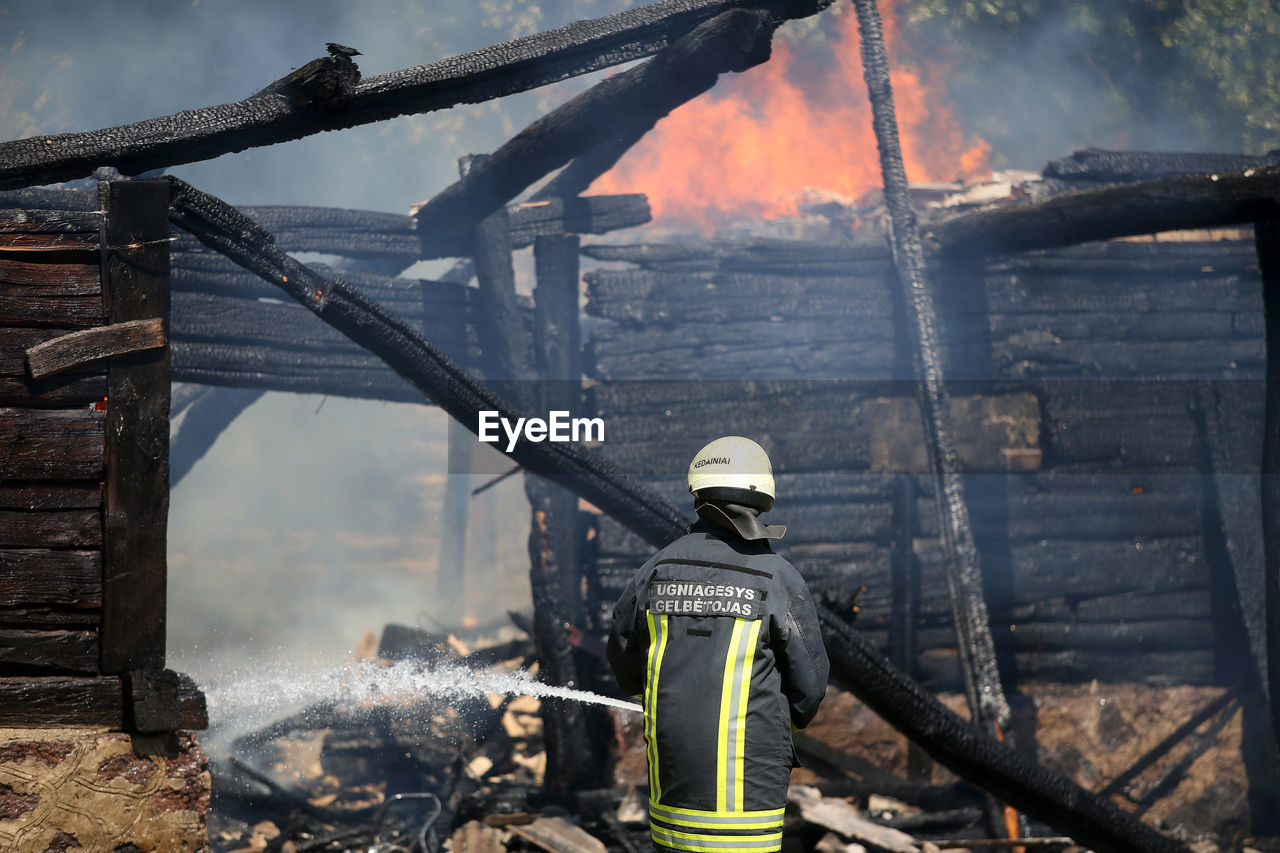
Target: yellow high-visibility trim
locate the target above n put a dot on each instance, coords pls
(724, 754)
(766, 823)
(657, 646)
(707, 843)
(740, 723)
(707, 813)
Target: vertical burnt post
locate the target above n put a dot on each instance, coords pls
(554, 544)
(1267, 239)
(136, 488)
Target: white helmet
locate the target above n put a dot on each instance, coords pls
(734, 469)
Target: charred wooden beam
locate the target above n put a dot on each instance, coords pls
(581, 173)
(492, 72)
(554, 538)
(987, 703)
(373, 236)
(1146, 207)
(1267, 238)
(76, 349)
(57, 444)
(54, 650)
(62, 700)
(733, 41)
(1101, 166)
(136, 476)
(979, 758)
(589, 474)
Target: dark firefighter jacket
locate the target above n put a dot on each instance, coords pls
(720, 635)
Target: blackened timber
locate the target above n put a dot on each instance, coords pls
(987, 703)
(289, 327)
(1147, 207)
(61, 651)
(424, 366)
(252, 367)
(62, 700)
(66, 528)
(978, 757)
(504, 342)
(49, 230)
(58, 392)
(733, 41)
(785, 257)
(595, 214)
(207, 419)
(50, 578)
(53, 444)
(136, 488)
(76, 349)
(1101, 166)
(1267, 238)
(573, 761)
(492, 72)
(581, 173)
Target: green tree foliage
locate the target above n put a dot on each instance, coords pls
(1040, 78)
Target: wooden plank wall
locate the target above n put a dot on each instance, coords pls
(84, 472)
(1077, 373)
(52, 433)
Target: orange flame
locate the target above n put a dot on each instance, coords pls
(759, 142)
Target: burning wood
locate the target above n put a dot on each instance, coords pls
(733, 41)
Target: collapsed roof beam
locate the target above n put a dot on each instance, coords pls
(625, 105)
(492, 72)
(1146, 207)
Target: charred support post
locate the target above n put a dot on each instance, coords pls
(573, 759)
(1267, 236)
(136, 488)
(977, 651)
(733, 41)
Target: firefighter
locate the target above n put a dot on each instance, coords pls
(720, 636)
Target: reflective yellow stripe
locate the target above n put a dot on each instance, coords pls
(707, 843)
(740, 722)
(730, 821)
(676, 810)
(657, 645)
(724, 750)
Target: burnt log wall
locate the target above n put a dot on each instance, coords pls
(1079, 378)
(84, 471)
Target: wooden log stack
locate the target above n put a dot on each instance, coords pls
(84, 304)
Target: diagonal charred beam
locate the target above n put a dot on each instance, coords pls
(492, 72)
(220, 227)
(1147, 207)
(733, 41)
(575, 178)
